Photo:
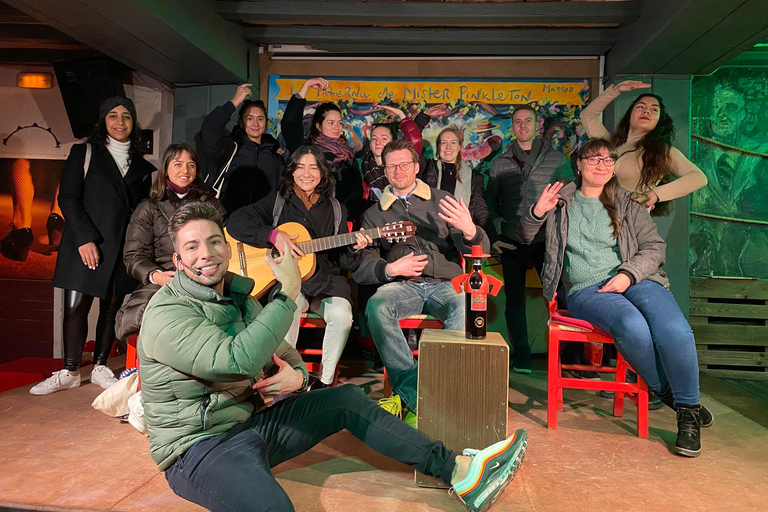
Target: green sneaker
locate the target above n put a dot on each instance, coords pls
(412, 419)
(490, 471)
(392, 405)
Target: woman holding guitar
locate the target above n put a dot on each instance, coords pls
(305, 196)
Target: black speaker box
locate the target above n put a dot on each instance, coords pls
(84, 85)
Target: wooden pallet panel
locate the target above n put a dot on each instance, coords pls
(729, 318)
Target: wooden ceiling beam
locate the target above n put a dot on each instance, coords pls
(345, 12)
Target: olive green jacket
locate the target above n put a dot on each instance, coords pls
(200, 353)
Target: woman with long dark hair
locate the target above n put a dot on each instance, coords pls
(326, 131)
(306, 190)
(644, 140)
(245, 164)
(101, 183)
(148, 253)
(605, 247)
(450, 173)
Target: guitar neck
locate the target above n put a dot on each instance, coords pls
(332, 242)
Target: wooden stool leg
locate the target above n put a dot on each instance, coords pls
(554, 390)
(618, 396)
(642, 408)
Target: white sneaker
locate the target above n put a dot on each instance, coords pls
(59, 381)
(102, 376)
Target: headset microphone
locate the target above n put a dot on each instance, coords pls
(193, 270)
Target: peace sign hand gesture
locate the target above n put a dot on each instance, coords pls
(548, 199)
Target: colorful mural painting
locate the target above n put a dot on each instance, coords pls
(480, 108)
(729, 217)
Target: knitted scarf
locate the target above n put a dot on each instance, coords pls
(340, 148)
(308, 200)
(463, 181)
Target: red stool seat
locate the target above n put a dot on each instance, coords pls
(563, 327)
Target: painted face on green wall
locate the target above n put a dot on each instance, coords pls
(728, 113)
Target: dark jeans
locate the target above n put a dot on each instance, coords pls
(232, 472)
(514, 265)
(76, 308)
(650, 332)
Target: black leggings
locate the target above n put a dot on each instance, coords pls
(76, 308)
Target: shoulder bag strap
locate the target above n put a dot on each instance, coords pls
(220, 179)
(336, 215)
(278, 209)
(87, 162)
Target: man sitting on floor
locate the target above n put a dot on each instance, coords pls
(418, 270)
(206, 346)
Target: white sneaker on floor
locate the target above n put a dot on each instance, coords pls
(59, 381)
(102, 376)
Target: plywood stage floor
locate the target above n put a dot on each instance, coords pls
(60, 454)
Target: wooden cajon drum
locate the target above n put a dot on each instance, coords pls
(463, 391)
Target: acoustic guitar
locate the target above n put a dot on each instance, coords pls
(251, 261)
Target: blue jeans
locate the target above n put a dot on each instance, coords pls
(232, 472)
(395, 301)
(650, 332)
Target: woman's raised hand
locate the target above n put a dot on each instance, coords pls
(631, 85)
(548, 199)
(242, 92)
(318, 83)
(394, 111)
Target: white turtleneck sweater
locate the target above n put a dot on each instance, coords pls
(119, 151)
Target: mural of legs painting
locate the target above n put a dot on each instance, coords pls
(17, 243)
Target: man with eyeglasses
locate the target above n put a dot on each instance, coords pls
(516, 180)
(416, 272)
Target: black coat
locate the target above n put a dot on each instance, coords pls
(478, 208)
(97, 209)
(349, 181)
(253, 223)
(255, 169)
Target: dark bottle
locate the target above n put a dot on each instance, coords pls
(477, 303)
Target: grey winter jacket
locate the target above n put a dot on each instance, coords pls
(510, 192)
(434, 237)
(642, 250)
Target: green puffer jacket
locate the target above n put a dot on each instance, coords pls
(200, 354)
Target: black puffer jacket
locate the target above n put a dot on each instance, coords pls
(254, 170)
(349, 181)
(148, 247)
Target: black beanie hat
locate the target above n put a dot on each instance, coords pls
(115, 101)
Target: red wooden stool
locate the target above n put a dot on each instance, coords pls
(563, 327)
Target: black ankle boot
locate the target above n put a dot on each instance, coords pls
(15, 246)
(688, 442)
(55, 227)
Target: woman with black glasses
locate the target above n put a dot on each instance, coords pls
(604, 246)
(247, 161)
